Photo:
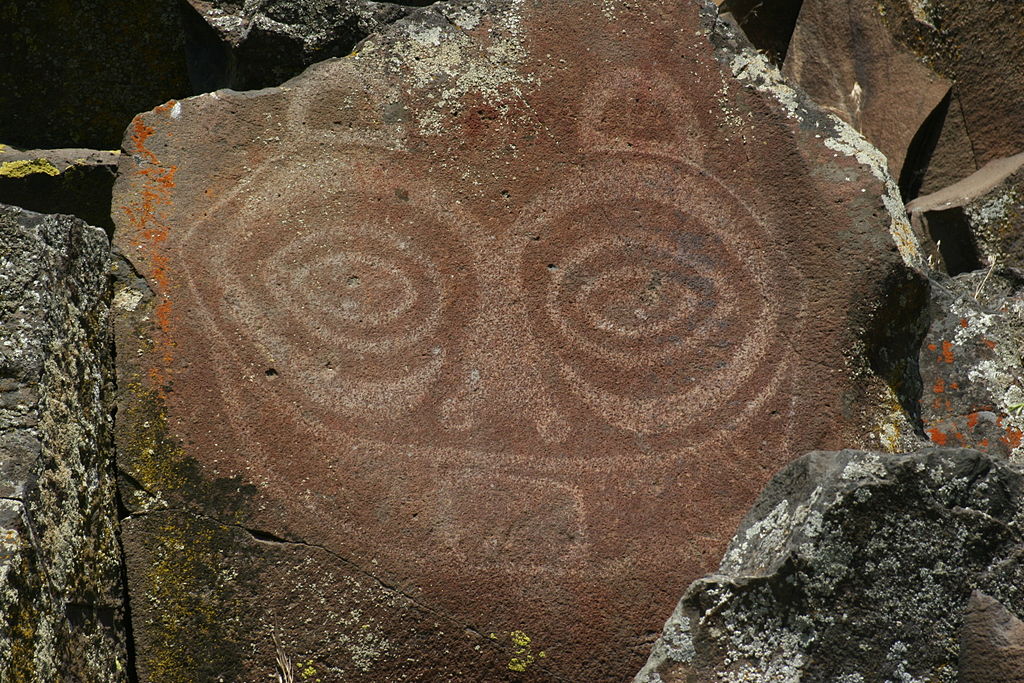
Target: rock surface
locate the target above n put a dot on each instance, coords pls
(471, 308)
(61, 605)
(844, 57)
(858, 566)
(972, 370)
(977, 46)
(248, 45)
(991, 643)
(976, 222)
(72, 181)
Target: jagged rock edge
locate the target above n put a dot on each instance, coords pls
(755, 71)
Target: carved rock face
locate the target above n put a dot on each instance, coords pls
(516, 310)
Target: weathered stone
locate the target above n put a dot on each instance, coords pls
(264, 43)
(991, 643)
(72, 181)
(970, 363)
(976, 45)
(60, 589)
(74, 74)
(768, 24)
(228, 590)
(844, 57)
(977, 221)
(472, 308)
(854, 566)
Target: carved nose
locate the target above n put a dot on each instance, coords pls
(500, 380)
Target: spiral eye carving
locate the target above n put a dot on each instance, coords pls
(347, 306)
(659, 303)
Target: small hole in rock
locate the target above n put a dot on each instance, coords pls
(271, 372)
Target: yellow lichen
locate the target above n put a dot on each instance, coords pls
(26, 167)
(522, 651)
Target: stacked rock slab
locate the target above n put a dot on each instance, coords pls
(857, 566)
(70, 181)
(264, 43)
(443, 329)
(845, 58)
(977, 221)
(61, 612)
(977, 46)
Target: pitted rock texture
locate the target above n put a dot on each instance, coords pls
(262, 43)
(843, 56)
(972, 363)
(61, 615)
(854, 566)
(72, 181)
(991, 643)
(473, 307)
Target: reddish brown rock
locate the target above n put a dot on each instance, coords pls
(976, 45)
(844, 57)
(504, 311)
(991, 643)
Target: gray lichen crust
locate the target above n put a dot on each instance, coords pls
(60, 596)
(856, 567)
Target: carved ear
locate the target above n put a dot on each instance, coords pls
(640, 111)
(333, 102)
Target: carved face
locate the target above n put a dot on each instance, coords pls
(626, 316)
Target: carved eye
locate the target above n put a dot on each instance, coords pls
(659, 305)
(349, 312)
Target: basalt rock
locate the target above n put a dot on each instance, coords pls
(264, 43)
(72, 181)
(844, 57)
(972, 370)
(469, 310)
(977, 46)
(976, 222)
(61, 604)
(991, 643)
(859, 566)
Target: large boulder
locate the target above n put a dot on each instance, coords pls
(469, 311)
(977, 46)
(61, 603)
(859, 566)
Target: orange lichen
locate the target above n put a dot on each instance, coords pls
(938, 436)
(989, 343)
(947, 352)
(151, 228)
(940, 386)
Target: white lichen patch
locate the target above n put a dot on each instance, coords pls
(443, 63)
(755, 70)
(127, 299)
